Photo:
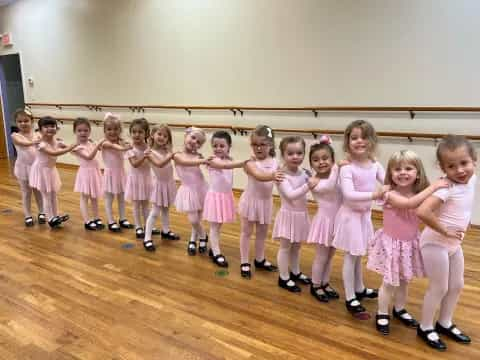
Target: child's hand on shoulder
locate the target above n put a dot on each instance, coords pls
(313, 182)
(278, 176)
(147, 153)
(378, 194)
(441, 183)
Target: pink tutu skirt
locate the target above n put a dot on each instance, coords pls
(89, 182)
(190, 199)
(352, 231)
(21, 171)
(397, 260)
(114, 180)
(321, 230)
(255, 210)
(219, 207)
(292, 225)
(44, 179)
(163, 193)
(138, 187)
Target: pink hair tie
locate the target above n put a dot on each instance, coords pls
(325, 139)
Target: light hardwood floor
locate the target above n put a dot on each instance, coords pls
(73, 294)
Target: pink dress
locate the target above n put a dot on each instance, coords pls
(191, 193)
(292, 221)
(25, 158)
(256, 202)
(455, 214)
(219, 206)
(353, 224)
(394, 251)
(139, 179)
(163, 187)
(328, 195)
(43, 172)
(114, 171)
(89, 178)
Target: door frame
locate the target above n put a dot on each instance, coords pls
(6, 128)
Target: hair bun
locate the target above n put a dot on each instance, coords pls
(325, 139)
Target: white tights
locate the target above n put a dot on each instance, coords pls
(260, 237)
(322, 265)
(152, 217)
(288, 254)
(109, 203)
(385, 294)
(50, 204)
(84, 208)
(140, 208)
(215, 237)
(194, 218)
(445, 275)
(26, 191)
(352, 275)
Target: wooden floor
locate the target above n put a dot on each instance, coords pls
(69, 293)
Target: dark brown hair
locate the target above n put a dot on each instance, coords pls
(143, 123)
(290, 140)
(368, 132)
(80, 121)
(453, 142)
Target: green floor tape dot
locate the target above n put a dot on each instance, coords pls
(221, 273)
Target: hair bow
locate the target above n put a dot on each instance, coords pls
(325, 139)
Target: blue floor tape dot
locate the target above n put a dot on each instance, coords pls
(127, 246)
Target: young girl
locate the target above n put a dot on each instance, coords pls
(219, 205)
(292, 222)
(43, 173)
(114, 173)
(88, 181)
(446, 215)
(25, 141)
(139, 180)
(353, 225)
(394, 252)
(326, 192)
(255, 206)
(164, 190)
(191, 193)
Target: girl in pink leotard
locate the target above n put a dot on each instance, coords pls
(25, 142)
(191, 193)
(255, 207)
(394, 251)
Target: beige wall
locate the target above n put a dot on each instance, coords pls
(255, 52)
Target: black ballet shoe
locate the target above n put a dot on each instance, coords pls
(29, 221)
(265, 265)
(331, 293)
(156, 231)
(383, 329)
(42, 218)
(55, 222)
(64, 217)
(124, 223)
(149, 246)
(407, 322)
(301, 277)
(192, 248)
(354, 309)
(284, 284)
(91, 225)
(170, 235)
(367, 293)
(458, 335)
(139, 233)
(99, 223)
(436, 344)
(220, 260)
(246, 273)
(114, 227)
(202, 245)
(319, 293)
